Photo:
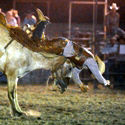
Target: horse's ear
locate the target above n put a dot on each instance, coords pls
(40, 15)
(2, 19)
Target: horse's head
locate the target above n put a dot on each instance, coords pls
(41, 25)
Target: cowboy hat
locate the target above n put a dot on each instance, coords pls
(114, 6)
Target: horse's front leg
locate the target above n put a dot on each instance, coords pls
(76, 79)
(59, 82)
(12, 95)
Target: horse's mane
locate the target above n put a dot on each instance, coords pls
(50, 46)
(16, 33)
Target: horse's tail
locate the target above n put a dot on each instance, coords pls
(101, 64)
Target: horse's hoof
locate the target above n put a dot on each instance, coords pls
(55, 88)
(26, 114)
(33, 113)
(84, 88)
(62, 91)
(19, 114)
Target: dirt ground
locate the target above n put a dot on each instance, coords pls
(95, 107)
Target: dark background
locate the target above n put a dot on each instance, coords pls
(59, 10)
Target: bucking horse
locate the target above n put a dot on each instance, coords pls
(20, 54)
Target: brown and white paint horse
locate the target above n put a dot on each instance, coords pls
(20, 55)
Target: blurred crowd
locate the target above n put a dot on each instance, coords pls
(13, 18)
(112, 26)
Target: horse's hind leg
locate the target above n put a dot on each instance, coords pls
(12, 95)
(92, 65)
(76, 79)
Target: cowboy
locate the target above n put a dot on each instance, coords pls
(112, 22)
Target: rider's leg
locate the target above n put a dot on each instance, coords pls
(92, 65)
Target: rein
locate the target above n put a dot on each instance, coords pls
(8, 43)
